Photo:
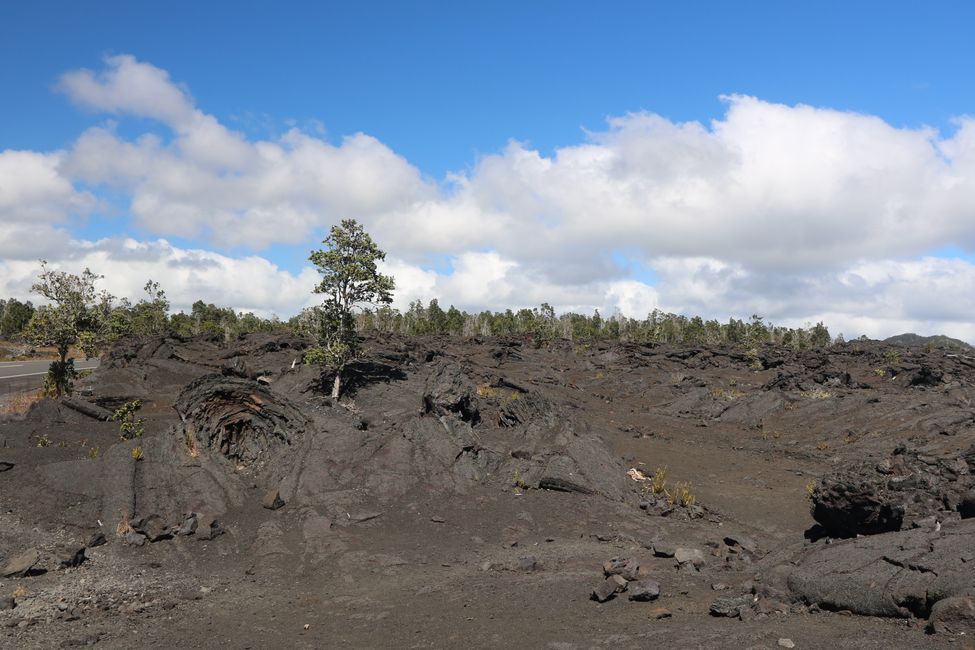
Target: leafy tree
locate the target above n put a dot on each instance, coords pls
(151, 317)
(349, 279)
(75, 316)
(14, 316)
(819, 336)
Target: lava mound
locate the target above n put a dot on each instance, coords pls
(241, 419)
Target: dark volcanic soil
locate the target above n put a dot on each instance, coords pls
(466, 494)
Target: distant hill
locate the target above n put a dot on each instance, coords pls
(939, 341)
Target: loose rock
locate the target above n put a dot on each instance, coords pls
(643, 590)
(20, 565)
(72, 557)
(96, 539)
(608, 588)
(272, 500)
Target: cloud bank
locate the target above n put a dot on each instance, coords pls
(797, 213)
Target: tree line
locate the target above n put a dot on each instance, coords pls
(543, 323)
(357, 298)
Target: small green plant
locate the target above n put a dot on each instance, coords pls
(130, 426)
(518, 481)
(93, 453)
(880, 372)
(810, 488)
(43, 440)
(822, 445)
(892, 356)
(137, 454)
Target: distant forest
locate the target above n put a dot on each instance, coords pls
(151, 316)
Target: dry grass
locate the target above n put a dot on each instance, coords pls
(728, 394)
(19, 403)
(123, 528)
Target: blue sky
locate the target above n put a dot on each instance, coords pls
(441, 82)
(444, 87)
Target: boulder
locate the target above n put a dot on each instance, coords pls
(608, 588)
(731, 606)
(643, 590)
(966, 506)
(153, 527)
(207, 527)
(954, 615)
(689, 556)
(96, 539)
(72, 557)
(898, 574)
(20, 565)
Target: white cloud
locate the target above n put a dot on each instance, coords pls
(33, 189)
(249, 283)
(211, 182)
(129, 86)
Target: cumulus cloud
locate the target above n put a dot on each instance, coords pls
(249, 283)
(33, 189)
(129, 86)
(209, 181)
(797, 213)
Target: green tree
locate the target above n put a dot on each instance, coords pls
(14, 316)
(350, 278)
(151, 317)
(75, 316)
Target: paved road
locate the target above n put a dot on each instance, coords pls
(25, 375)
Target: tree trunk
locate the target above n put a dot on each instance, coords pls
(337, 384)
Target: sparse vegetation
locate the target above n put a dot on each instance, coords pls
(681, 495)
(810, 488)
(123, 527)
(728, 394)
(137, 454)
(19, 403)
(190, 441)
(658, 483)
(816, 393)
(892, 355)
(495, 392)
(43, 440)
(754, 361)
(130, 426)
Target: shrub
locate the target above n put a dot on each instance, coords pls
(130, 426)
